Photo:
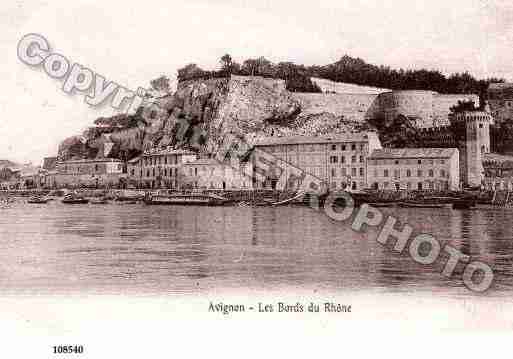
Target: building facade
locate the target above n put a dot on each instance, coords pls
(208, 173)
(339, 160)
(498, 172)
(98, 173)
(158, 168)
(414, 169)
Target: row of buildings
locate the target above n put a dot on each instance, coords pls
(353, 161)
(452, 156)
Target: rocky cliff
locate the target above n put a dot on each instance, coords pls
(252, 107)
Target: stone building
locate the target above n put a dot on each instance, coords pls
(208, 173)
(414, 169)
(339, 160)
(98, 173)
(498, 172)
(469, 131)
(474, 143)
(158, 168)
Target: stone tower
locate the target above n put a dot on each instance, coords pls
(473, 132)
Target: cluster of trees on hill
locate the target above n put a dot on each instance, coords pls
(297, 77)
(347, 69)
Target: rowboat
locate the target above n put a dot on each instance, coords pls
(74, 199)
(37, 200)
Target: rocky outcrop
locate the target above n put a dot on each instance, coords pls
(252, 107)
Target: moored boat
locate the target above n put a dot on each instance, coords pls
(74, 199)
(420, 204)
(37, 200)
(191, 199)
(382, 204)
(101, 200)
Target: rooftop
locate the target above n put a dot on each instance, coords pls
(203, 162)
(295, 140)
(168, 151)
(495, 157)
(95, 160)
(413, 153)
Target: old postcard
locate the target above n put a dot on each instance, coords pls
(247, 178)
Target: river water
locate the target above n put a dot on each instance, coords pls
(56, 248)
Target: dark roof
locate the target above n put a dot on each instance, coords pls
(294, 140)
(413, 153)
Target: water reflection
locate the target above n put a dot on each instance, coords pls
(133, 248)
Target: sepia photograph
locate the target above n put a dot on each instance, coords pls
(247, 178)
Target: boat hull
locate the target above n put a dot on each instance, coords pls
(75, 201)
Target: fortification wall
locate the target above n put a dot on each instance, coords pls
(328, 86)
(442, 106)
(417, 105)
(353, 107)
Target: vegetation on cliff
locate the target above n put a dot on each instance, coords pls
(347, 69)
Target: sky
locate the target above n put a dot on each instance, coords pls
(133, 42)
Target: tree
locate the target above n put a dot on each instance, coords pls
(161, 84)
(226, 64)
(189, 72)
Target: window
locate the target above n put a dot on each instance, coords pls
(362, 147)
(343, 147)
(396, 162)
(361, 172)
(431, 173)
(408, 173)
(442, 173)
(96, 168)
(385, 173)
(165, 160)
(361, 159)
(344, 172)
(147, 173)
(419, 162)
(419, 173)
(333, 172)
(442, 162)
(333, 147)
(342, 159)
(353, 172)
(419, 186)
(480, 125)
(353, 159)
(353, 147)
(154, 172)
(397, 173)
(132, 172)
(333, 159)
(195, 171)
